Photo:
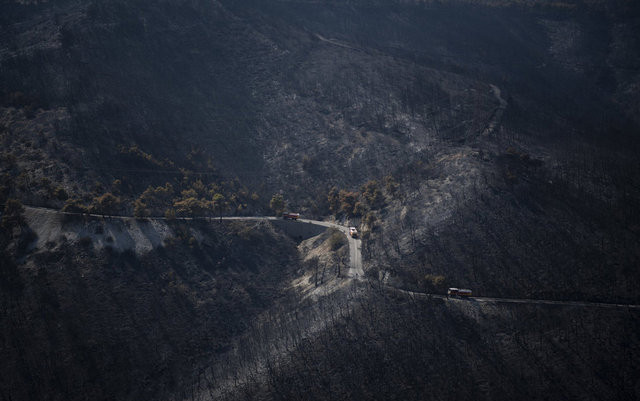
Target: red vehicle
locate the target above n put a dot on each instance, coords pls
(290, 216)
(459, 292)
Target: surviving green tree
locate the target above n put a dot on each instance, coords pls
(277, 204)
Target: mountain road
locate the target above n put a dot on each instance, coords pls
(356, 270)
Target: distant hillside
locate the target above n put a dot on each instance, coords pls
(88, 313)
(293, 95)
(402, 349)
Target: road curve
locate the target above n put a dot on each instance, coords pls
(355, 245)
(355, 261)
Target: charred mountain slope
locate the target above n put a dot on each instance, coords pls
(294, 92)
(404, 349)
(502, 136)
(80, 320)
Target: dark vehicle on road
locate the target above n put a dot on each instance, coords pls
(459, 292)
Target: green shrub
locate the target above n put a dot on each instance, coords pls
(277, 204)
(390, 185)
(140, 209)
(370, 220)
(156, 200)
(74, 205)
(333, 198)
(359, 209)
(348, 202)
(191, 207)
(170, 214)
(337, 240)
(434, 283)
(372, 194)
(105, 204)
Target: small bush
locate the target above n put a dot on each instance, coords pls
(277, 204)
(434, 283)
(333, 199)
(370, 220)
(140, 210)
(348, 202)
(105, 204)
(170, 214)
(74, 206)
(372, 194)
(390, 185)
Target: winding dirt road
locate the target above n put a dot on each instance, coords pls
(355, 260)
(355, 245)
